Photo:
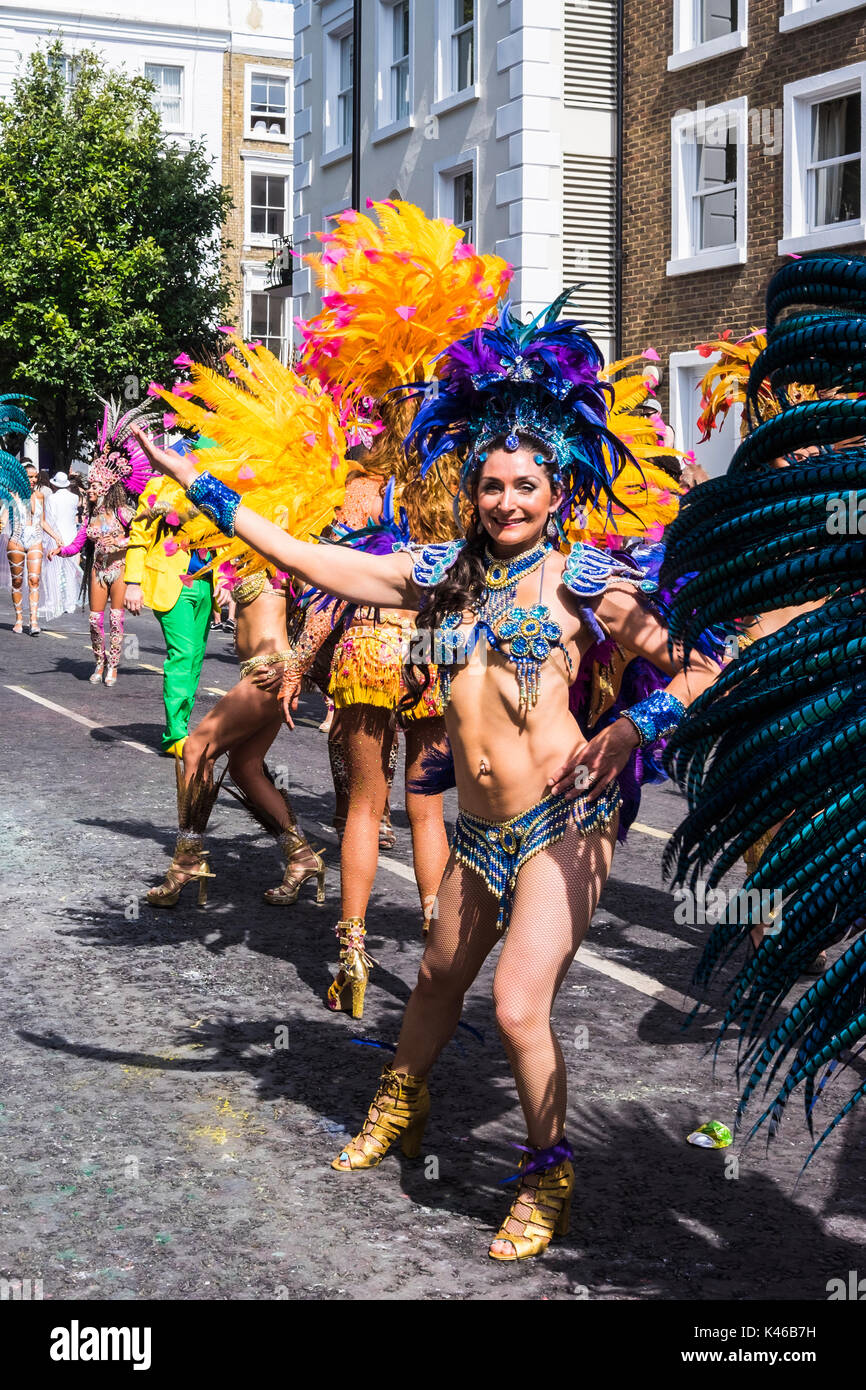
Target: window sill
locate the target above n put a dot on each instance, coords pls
(825, 10)
(269, 139)
(841, 234)
(387, 132)
(255, 241)
(703, 52)
(450, 103)
(708, 260)
(334, 156)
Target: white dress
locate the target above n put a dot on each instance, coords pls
(61, 577)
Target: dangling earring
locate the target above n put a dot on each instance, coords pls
(552, 532)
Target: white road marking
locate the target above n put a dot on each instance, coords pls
(650, 830)
(80, 719)
(634, 979)
(58, 636)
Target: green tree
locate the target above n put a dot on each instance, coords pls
(110, 255)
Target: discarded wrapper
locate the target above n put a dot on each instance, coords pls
(711, 1136)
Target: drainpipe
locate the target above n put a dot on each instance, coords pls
(620, 144)
(356, 105)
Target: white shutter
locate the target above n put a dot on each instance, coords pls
(589, 239)
(589, 67)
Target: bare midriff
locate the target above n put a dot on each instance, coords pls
(504, 755)
(261, 625)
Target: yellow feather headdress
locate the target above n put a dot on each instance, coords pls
(395, 296)
(278, 441)
(724, 382)
(649, 494)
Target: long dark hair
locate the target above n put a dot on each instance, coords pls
(462, 585)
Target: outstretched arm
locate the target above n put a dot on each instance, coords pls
(383, 581)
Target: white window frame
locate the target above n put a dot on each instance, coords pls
(687, 48)
(685, 405)
(799, 97)
(254, 284)
(387, 123)
(273, 168)
(685, 127)
(800, 12)
(252, 70)
(444, 175)
(332, 38)
(446, 98)
(183, 126)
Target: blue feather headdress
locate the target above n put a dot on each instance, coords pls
(538, 380)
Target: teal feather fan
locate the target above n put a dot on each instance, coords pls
(14, 483)
(779, 742)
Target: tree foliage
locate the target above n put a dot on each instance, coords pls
(110, 259)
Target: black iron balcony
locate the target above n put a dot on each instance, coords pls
(280, 268)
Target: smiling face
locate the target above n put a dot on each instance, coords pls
(515, 498)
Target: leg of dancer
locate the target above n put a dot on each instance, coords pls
(98, 638)
(567, 877)
(426, 817)
(114, 642)
(17, 562)
(244, 724)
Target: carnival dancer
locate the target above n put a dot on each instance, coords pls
(174, 581)
(282, 440)
(393, 292)
(779, 744)
(115, 478)
(61, 580)
(27, 522)
(16, 504)
(523, 408)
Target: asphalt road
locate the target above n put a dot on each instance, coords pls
(158, 1139)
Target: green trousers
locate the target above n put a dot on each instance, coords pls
(185, 628)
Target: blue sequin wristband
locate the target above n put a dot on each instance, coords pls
(656, 717)
(216, 501)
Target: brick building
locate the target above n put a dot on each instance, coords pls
(743, 135)
(257, 166)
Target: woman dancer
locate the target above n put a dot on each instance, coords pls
(261, 421)
(61, 581)
(116, 477)
(523, 407)
(394, 291)
(27, 521)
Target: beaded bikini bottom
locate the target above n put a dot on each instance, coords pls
(497, 850)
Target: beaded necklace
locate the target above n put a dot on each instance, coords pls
(530, 632)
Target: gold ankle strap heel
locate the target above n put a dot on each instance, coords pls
(297, 846)
(542, 1207)
(399, 1110)
(355, 965)
(189, 865)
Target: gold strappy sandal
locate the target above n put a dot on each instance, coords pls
(296, 844)
(399, 1110)
(354, 969)
(542, 1206)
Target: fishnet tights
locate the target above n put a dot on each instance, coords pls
(556, 895)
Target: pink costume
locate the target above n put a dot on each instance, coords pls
(109, 532)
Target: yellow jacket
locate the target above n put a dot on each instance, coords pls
(148, 564)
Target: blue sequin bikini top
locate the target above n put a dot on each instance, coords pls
(531, 634)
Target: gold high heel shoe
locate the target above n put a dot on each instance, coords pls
(295, 843)
(400, 1109)
(354, 969)
(542, 1206)
(189, 865)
